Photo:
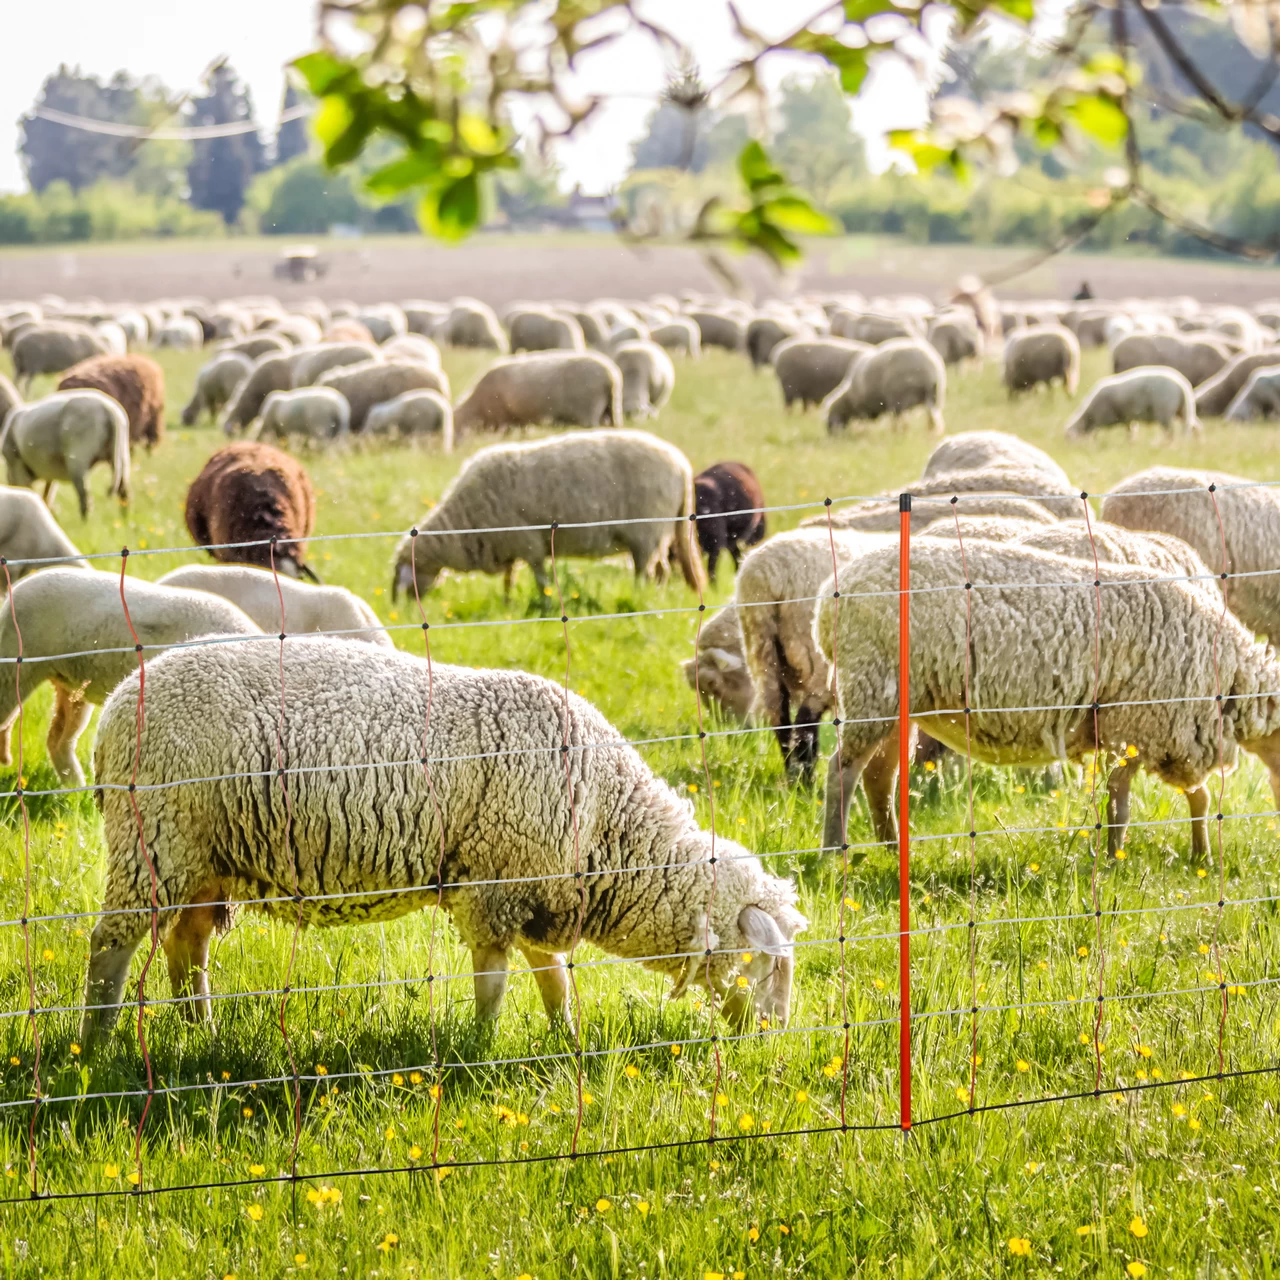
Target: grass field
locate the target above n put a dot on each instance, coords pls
(1175, 1177)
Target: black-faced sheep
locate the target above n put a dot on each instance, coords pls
(730, 505)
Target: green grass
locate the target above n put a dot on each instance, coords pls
(1193, 1162)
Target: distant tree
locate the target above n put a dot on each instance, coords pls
(54, 152)
(222, 168)
(815, 142)
(304, 198)
(291, 136)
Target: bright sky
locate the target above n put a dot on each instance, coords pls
(177, 39)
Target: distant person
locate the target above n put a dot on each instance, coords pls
(1083, 293)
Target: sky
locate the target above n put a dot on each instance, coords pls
(177, 39)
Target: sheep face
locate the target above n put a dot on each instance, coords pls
(407, 572)
(770, 970)
(722, 677)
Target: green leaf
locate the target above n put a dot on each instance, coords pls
(1023, 10)
(757, 169)
(851, 63)
(478, 134)
(414, 170)
(321, 70)
(795, 213)
(332, 119)
(860, 10)
(451, 212)
(928, 155)
(751, 233)
(1099, 116)
(343, 126)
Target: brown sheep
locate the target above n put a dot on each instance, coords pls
(249, 492)
(347, 330)
(729, 501)
(135, 382)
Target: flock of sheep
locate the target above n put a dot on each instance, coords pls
(502, 797)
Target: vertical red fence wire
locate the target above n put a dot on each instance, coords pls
(904, 810)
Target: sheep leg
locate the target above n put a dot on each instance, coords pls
(82, 493)
(804, 740)
(713, 558)
(1118, 808)
(878, 778)
(489, 968)
(508, 575)
(187, 950)
(843, 772)
(111, 947)
(1198, 803)
(553, 983)
(12, 697)
(71, 715)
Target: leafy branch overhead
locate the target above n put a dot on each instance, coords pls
(450, 82)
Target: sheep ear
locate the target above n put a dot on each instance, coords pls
(761, 933)
(724, 660)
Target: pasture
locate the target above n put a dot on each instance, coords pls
(1177, 1178)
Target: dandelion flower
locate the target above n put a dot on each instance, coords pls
(1131, 751)
(713, 1275)
(1145, 1050)
(15, 1062)
(603, 1205)
(631, 1071)
(247, 1112)
(46, 954)
(1121, 855)
(693, 786)
(642, 1207)
(962, 1094)
(852, 905)
(722, 1100)
(743, 982)
(1136, 1269)
(1019, 1246)
(1204, 948)
(389, 1132)
(135, 1177)
(389, 1242)
(1179, 1111)
(300, 1259)
(1201, 873)
(433, 1092)
(415, 1077)
(257, 1170)
(226, 1075)
(1082, 952)
(1086, 1230)
(1033, 1166)
(801, 1096)
(587, 1099)
(1022, 1064)
(1137, 1227)
(746, 1122)
(783, 1229)
(1085, 1038)
(110, 1170)
(714, 1166)
(321, 1069)
(929, 766)
(1035, 866)
(397, 1078)
(675, 1050)
(524, 1275)
(254, 1212)
(415, 1152)
(75, 1050)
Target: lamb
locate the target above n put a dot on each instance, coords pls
(648, 377)
(1151, 393)
(896, 376)
(718, 672)
(982, 450)
(30, 537)
(1032, 646)
(375, 381)
(258, 592)
(810, 369)
(51, 347)
(413, 415)
(270, 373)
(1179, 502)
(765, 333)
(135, 382)
(62, 437)
(730, 505)
(1214, 397)
(1041, 354)
(73, 633)
(718, 329)
(1197, 359)
(1260, 396)
(216, 384)
(251, 493)
(310, 364)
(629, 477)
(320, 415)
(578, 388)
(493, 743)
(679, 334)
(471, 323)
(538, 329)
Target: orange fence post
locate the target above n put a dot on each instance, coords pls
(904, 810)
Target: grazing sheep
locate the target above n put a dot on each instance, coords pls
(764, 333)
(216, 384)
(1032, 646)
(413, 346)
(135, 382)
(1214, 397)
(302, 331)
(955, 338)
(1150, 393)
(258, 345)
(1245, 546)
(310, 364)
(679, 334)
(1197, 359)
(577, 388)
(9, 397)
(471, 323)
(413, 415)
(719, 672)
(979, 493)
(595, 332)
(376, 381)
(70, 629)
(493, 742)
(307, 609)
(1090, 327)
(252, 493)
(180, 333)
(320, 415)
(1259, 398)
(626, 333)
(384, 321)
(810, 369)
(730, 505)
(62, 437)
(718, 329)
(895, 376)
(29, 533)
(424, 317)
(981, 450)
(629, 477)
(269, 373)
(1041, 354)
(871, 328)
(648, 377)
(345, 331)
(51, 347)
(542, 330)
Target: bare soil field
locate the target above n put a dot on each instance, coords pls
(498, 268)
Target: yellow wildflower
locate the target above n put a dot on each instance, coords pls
(254, 1211)
(1019, 1246)
(1137, 1227)
(603, 1205)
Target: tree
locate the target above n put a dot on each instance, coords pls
(815, 142)
(304, 198)
(222, 168)
(54, 152)
(291, 136)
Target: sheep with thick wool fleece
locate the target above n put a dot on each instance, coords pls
(1149, 393)
(78, 613)
(320, 415)
(1259, 400)
(574, 388)
(1164, 650)
(718, 671)
(497, 801)
(1039, 354)
(894, 377)
(982, 450)
(623, 490)
(29, 532)
(259, 592)
(216, 384)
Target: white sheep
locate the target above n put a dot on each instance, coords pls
(216, 384)
(810, 369)
(414, 415)
(1150, 393)
(577, 388)
(319, 415)
(718, 671)
(981, 450)
(1041, 354)
(497, 801)
(679, 334)
(894, 377)
(1259, 398)
(28, 532)
(261, 594)
(648, 377)
(612, 490)
(1031, 645)
(74, 634)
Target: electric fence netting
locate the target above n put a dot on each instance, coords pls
(988, 926)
